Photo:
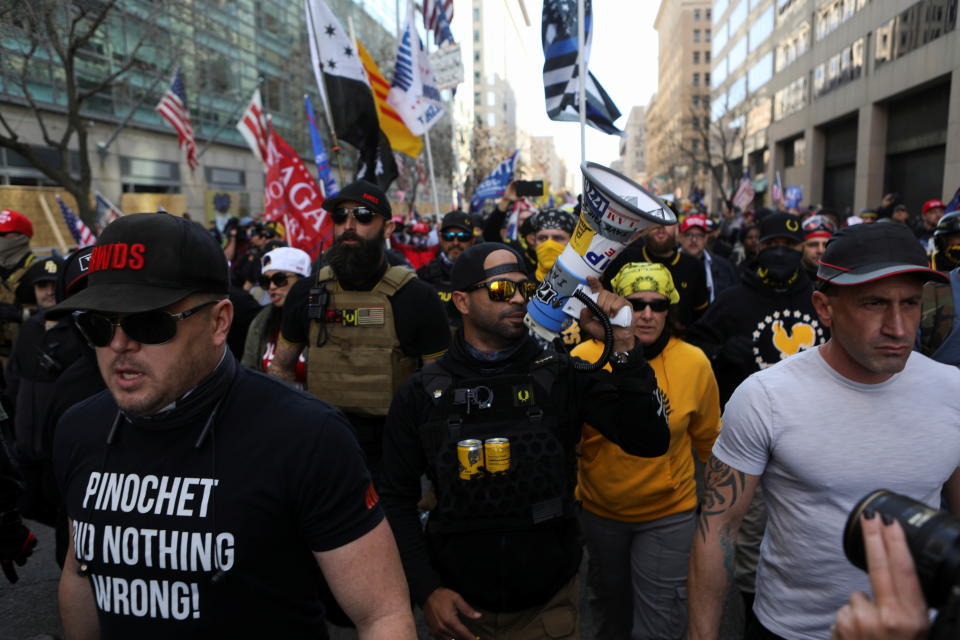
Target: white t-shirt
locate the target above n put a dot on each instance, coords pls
(822, 442)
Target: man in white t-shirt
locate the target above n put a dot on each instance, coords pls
(822, 429)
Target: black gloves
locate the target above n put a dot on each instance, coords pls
(16, 543)
(738, 350)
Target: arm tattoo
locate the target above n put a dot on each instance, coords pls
(723, 487)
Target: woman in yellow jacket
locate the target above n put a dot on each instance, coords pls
(638, 513)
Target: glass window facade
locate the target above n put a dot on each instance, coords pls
(719, 39)
(719, 7)
(792, 46)
(921, 23)
(842, 67)
(225, 50)
(830, 15)
(737, 92)
(761, 29)
(790, 99)
(738, 53)
(761, 72)
(737, 16)
(719, 73)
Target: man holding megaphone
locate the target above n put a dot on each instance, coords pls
(494, 424)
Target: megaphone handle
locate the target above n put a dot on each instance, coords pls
(583, 365)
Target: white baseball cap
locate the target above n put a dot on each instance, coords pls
(286, 259)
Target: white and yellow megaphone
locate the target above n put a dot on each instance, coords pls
(615, 210)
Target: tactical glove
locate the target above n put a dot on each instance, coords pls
(16, 544)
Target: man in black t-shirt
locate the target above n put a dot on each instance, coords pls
(659, 244)
(203, 496)
(366, 326)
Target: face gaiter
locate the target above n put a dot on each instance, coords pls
(778, 266)
(547, 253)
(13, 248)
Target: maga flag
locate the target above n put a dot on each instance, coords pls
(496, 183)
(400, 137)
(293, 197)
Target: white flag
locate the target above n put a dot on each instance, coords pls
(412, 92)
(253, 128)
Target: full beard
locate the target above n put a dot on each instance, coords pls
(355, 263)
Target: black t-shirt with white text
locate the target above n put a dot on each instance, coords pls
(184, 541)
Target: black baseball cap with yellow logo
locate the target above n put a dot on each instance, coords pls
(147, 261)
(781, 225)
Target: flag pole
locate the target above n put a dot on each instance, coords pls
(581, 78)
(335, 148)
(52, 222)
(426, 139)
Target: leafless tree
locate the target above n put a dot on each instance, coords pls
(488, 148)
(59, 33)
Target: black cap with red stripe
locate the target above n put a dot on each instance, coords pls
(361, 192)
(867, 252)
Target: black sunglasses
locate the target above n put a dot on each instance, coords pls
(658, 306)
(504, 290)
(362, 215)
(147, 327)
(278, 279)
(462, 236)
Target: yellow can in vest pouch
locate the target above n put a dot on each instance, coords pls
(470, 457)
(497, 454)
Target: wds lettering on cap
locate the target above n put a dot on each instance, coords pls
(118, 256)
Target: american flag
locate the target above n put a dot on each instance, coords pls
(744, 195)
(776, 190)
(253, 128)
(81, 233)
(173, 107)
(437, 15)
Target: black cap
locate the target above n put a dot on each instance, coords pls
(73, 276)
(367, 193)
(468, 269)
(147, 261)
(43, 270)
(868, 252)
(781, 224)
(457, 219)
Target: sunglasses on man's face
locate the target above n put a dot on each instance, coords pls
(146, 327)
(278, 280)
(658, 306)
(462, 236)
(504, 290)
(362, 215)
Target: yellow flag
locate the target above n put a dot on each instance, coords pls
(400, 137)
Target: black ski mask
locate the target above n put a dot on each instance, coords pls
(778, 266)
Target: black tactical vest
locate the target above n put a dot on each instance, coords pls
(538, 487)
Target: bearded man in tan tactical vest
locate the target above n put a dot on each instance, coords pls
(366, 324)
(16, 230)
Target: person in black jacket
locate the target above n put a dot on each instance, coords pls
(456, 236)
(719, 272)
(526, 243)
(502, 547)
(765, 318)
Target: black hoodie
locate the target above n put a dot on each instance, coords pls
(777, 322)
(509, 570)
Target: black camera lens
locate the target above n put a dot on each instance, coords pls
(933, 537)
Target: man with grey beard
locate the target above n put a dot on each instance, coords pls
(366, 325)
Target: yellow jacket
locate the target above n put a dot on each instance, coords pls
(613, 484)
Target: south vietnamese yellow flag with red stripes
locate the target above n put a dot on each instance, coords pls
(400, 137)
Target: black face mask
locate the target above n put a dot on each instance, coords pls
(778, 266)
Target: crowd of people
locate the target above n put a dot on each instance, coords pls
(232, 439)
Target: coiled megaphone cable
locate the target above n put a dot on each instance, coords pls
(583, 365)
